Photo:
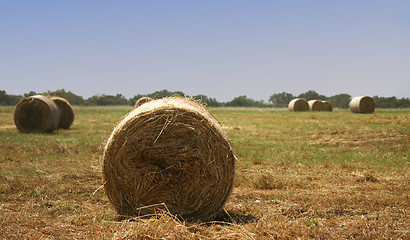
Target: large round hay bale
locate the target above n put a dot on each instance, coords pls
(315, 105)
(36, 114)
(362, 104)
(142, 101)
(327, 106)
(66, 112)
(169, 153)
(298, 104)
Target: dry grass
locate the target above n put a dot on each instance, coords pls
(299, 175)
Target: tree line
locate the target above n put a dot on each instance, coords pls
(275, 100)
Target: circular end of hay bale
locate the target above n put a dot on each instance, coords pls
(66, 112)
(36, 114)
(172, 154)
(142, 101)
(327, 106)
(362, 104)
(298, 104)
(315, 105)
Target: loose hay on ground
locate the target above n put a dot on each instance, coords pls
(169, 153)
(66, 112)
(36, 114)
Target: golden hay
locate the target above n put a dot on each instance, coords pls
(327, 106)
(172, 154)
(315, 105)
(142, 101)
(363, 104)
(66, 112)
(36, 114)
(298, 104)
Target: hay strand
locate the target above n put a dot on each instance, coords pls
(142, 101)
(315, 105)
(36, 114)
(66, 112)
(327, 106)
(169, 152)
(362, 104)
(298, 104)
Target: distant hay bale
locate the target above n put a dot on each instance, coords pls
(315, 105)
(36, 114)
(362, 104)
(66, 112)
(298, 104)
(142, 101)
(327, 106)
(169, 153)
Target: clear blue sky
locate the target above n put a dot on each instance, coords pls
(220, 48)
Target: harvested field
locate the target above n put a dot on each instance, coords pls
(322, 175)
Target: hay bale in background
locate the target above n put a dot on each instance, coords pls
(298, 104)
(142, 101)
(315, 105)
(66, 112)
(327, 106)
(170, 151)
(36, 114)
(362, 104)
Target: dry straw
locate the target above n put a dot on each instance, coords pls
(172, 154)
(327, 106)
(142, 101)
(36, 114)
(362, 104)
(315, 105)
(66, 112)
(298, 104)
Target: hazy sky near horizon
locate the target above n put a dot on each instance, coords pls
(220, 48)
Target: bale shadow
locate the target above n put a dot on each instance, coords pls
(226, 217)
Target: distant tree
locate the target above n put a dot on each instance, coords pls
(105, 100)
(386, 102)
(155, 95)
(340, 100)
(403, 103)
(243, 101)
(165, 93)
(391, 102)
(72, 98)
(281, 99)
(8, 100)
(134, 99)
(312, 95)
(4, 98)
(31, 93)
(209, 102)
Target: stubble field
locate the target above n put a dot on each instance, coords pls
(310, 175)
